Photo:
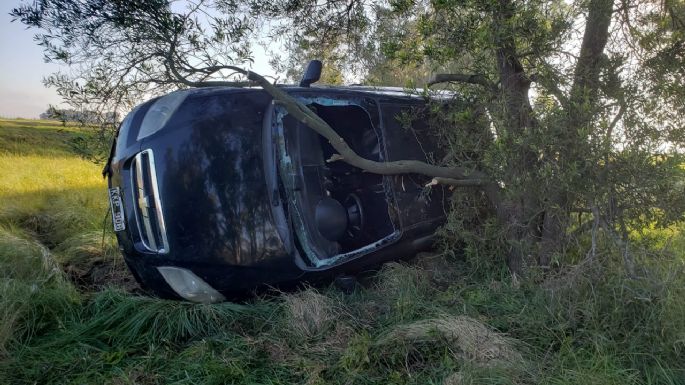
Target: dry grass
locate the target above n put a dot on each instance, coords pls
(468, 339)
(396, 279)
(336, 340)
(456, 378)
(308, 313)
(93, 261)
(573, 276)
(23, 258)
(316, 326)
(402, 292)
(439, 269)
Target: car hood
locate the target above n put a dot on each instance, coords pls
(210, 172)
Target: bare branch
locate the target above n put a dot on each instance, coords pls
(476, 79)
(450, 175)
(614, 121)
(308, 117)
(303, 114)
(456, 182)
(190, 83)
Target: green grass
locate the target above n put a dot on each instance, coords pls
(52, 207)
(443, 319)
(45, 188)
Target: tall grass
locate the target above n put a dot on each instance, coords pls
(47, 196)
(34, 294)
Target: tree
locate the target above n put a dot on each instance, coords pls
(578, 101)
(571, 91)
(120, 51)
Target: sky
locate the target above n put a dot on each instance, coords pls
(22, 94)
(22, 69)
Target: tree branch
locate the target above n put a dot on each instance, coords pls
(453, 175)
(306, 116)
(476, 79)
(171, 63)
(553, 89)
(456, 182)
(210, 83)
(614, 121)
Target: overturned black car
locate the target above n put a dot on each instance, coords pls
(216, 192)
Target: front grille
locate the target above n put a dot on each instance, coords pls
(148, 205)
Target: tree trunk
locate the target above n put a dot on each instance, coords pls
(516, 115)
(581, 110)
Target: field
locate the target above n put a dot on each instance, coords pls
(70, 313)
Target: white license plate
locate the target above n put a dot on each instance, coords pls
(117, 209)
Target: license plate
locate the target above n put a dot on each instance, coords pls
(117, 209)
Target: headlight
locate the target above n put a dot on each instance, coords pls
(189, 286)
(160, 112)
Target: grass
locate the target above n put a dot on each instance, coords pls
(443, 319)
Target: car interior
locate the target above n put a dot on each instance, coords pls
(341, 208)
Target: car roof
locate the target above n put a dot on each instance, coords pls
(398, 92)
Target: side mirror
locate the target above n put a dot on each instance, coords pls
(312, 74)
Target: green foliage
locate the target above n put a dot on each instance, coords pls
(559, 121)
(121, 53)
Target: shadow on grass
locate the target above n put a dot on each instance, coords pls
(75, 226)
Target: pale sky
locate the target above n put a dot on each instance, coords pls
(22, 94)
